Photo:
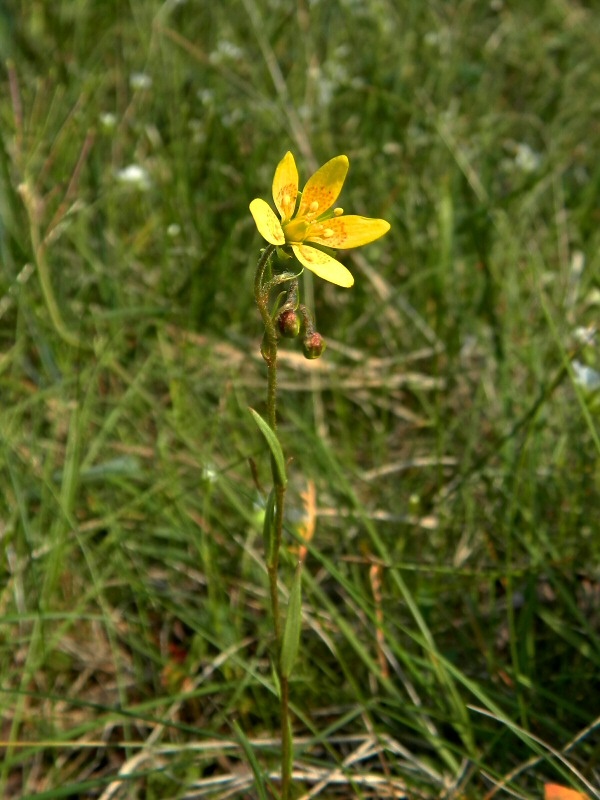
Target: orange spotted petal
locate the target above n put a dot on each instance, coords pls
(285, 186)
(347, 231)
(323, 188)
(267, 223)
(323, 265)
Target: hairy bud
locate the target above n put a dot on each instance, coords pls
(289, 323)
(313, 345)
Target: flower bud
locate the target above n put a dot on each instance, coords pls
(289, 323)
(313, 345)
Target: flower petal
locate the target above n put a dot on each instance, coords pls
(267, 223)
(347, 231)
(285, 186)
(323, 265)
(323, 188)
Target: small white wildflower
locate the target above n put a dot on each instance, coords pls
(209, 474)
(108, 120)
(140, 80)
(586, 377)
(206, 96)
(584, 336)
(173, 230)
(226, 51)
(526, 158)
(134, 175)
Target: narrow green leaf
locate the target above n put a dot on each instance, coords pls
(276, 681)
(269, 528)
(258, 776)
(274, 446)
(293, 624)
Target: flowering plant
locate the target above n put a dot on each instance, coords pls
(311, 228)
(314, 227)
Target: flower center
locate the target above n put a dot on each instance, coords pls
(302, 229)
(296, 230)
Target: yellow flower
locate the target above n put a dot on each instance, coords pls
(314, 225)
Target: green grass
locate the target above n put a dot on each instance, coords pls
(444, 429)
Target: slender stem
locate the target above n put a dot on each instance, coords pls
(39, 249)
(262, 290)
(286, 739)
(261, 295)
(273, 566)
(272, 392)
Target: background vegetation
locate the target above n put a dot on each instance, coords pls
(446, 447)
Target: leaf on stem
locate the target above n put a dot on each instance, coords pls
(250, 755)
(274, 447)
(269, 532)
(293, 624)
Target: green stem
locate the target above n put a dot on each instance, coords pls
(261, 294)
(43, 271)
(273, 566)
(262, 290)
(287, 743)
(55, 316)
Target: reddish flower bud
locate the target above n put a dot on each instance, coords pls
(313, 345)
(289, 323)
